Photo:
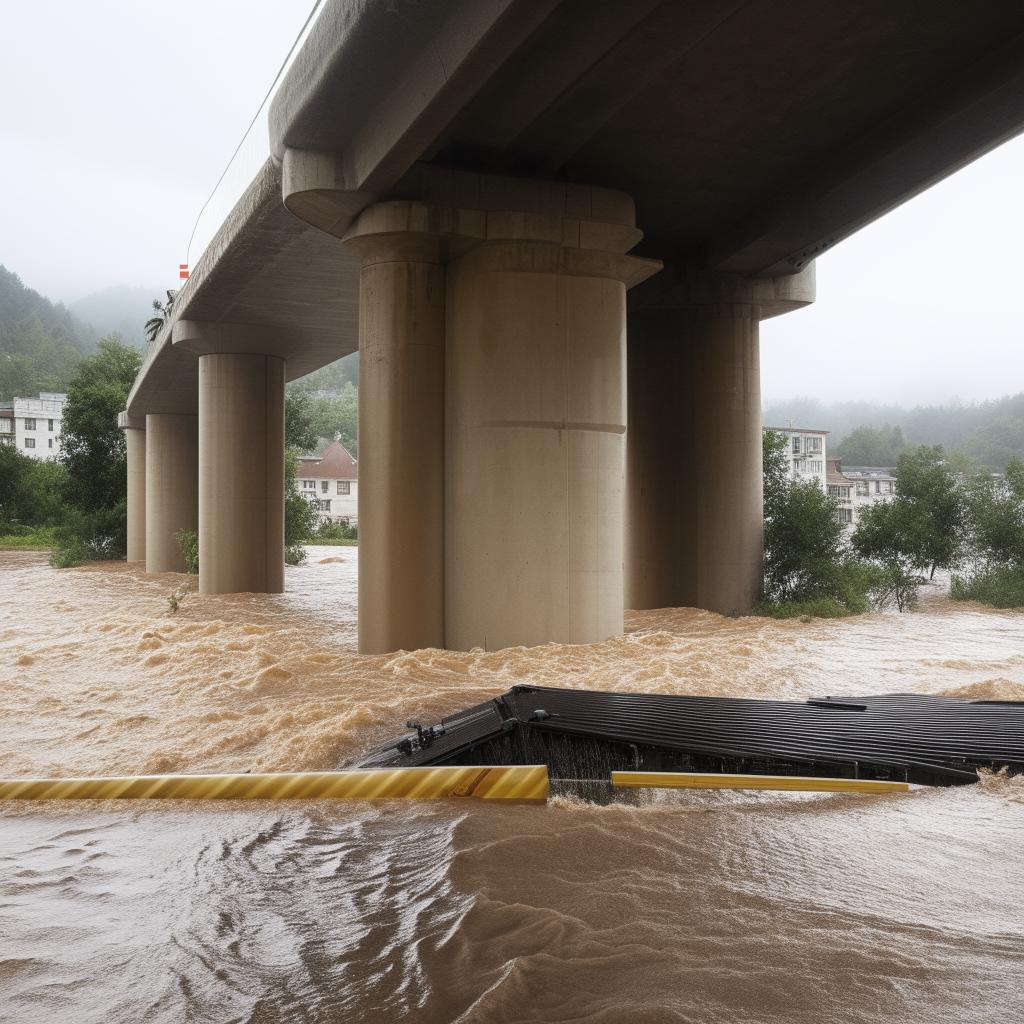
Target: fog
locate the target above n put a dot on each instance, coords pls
(118, 118)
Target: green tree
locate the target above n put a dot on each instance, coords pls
(300, 514)
(996, 529)
(162, 310)
(873, 446)
(45, 492)
(804, 559)
(337, 416)
(14, 471)
(996, 515)
(298, 421)
(93, 453)
(887, 535)
(932, 508)
(32, 491)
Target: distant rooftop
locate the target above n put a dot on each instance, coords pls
(872, 471)
(798, 430)
(335, 462)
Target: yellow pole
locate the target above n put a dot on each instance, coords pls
(788, 783)
(516, 782)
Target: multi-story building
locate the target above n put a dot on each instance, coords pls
(7, 425)
(840, 487)
(330, 480)
(854, 488)
(806, 452)
(858, 488)
(37, 424)
(870, 486)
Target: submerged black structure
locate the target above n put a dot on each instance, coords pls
(583, 735)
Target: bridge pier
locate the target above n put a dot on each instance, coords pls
(241, 454)
(492, 412)
(171, 474)
(401, 440)
(241, 473)
(694, 536)
(134, 428)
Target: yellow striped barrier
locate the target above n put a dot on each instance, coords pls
(516, 782)
(788, 783)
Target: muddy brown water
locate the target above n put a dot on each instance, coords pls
(706, 907)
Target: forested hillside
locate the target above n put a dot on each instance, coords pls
(40, 343)
(120, 309)
(987, 434)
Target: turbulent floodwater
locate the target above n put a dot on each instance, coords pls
(696, 907)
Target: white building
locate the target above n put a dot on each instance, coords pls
(33, 425)
(331, 481)
(870, 486)
(854, 489)
(7, 425)
(806, 452)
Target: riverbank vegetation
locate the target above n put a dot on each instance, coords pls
(972, 528)
(994, 567)
(808, 569)
(76, 504)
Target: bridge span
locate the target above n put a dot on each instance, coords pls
(551, 228)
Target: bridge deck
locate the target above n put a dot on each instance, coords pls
(585, 735)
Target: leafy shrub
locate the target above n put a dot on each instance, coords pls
(15, 530)
(329, 530)
(69, 553)
(188, 543)
(818, 608)
(997, 586)
(294, 554)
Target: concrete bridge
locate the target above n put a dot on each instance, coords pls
(551, 228)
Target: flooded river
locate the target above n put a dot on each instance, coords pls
(691, 907)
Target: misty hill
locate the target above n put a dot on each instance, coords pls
(40, 342)
(987, 433)
(118, 310)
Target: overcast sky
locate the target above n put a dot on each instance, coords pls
(119, 115)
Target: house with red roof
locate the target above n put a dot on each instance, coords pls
(331, 481)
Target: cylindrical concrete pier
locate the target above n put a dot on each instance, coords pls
(401, 445)
(536, 421)
(241, 473)
(727, 491)
(660, 473)
(134, 428)
(694, 479)
(171, 475)
(695, 482)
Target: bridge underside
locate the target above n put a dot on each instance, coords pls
(551, 228)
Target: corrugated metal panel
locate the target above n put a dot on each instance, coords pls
(911, 737)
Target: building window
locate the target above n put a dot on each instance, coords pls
(844, 515)
(30, 423)
(49, 442)
(815, 466)
(49, 424)
(344, 487)
(796, 445)
(862, 489)
(308, 485)
(813, 445)
(30, 442)
(323, 486)
(324, 506)
(6, 427)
